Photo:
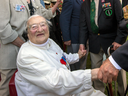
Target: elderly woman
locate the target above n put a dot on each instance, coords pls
(43, 68)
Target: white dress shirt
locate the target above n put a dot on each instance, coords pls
(114, 63)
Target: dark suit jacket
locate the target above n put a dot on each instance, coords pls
(121, 56)
(69, 20)
(108, 26)
(55, 31)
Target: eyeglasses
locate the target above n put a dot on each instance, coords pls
(34, 27)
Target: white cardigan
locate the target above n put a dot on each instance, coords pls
(40, 72)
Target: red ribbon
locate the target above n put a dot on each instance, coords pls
(62, 61)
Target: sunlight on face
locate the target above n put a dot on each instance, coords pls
(38, 31)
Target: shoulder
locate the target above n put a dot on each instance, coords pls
(27, 50)
(28, 54)
(54, 45)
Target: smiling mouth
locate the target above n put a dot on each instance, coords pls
(40, 34)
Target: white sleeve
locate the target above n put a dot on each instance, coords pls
(114, 63)
(58, 81)
(72, 58)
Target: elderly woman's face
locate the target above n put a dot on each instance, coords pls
(38, 31)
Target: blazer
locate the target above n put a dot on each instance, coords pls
(55, 30)
(13, 24)
(41, 72)
(69, 20)
(121, 56)
(108, 26)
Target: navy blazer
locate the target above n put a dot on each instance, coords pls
(69, 20)
(108, 26)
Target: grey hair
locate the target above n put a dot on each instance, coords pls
(36, 15)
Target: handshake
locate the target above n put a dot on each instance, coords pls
(81, 53)
(94, 72)
(106, 73)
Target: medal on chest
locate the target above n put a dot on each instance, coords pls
(107, 9)
(19, 7)
(64, 61)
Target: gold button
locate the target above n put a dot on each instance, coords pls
(98, 33)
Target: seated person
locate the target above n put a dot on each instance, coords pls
(43, 68)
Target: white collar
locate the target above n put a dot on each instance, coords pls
(40, 45)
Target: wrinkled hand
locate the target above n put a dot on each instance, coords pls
(94, 73)
(67, 42)
(107, 72)
(115, 45)
(81, 53)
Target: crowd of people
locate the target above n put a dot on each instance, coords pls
(34, 32)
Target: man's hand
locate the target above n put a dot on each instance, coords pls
(94, 73)
(18, 42)
(82, 47)
(81, 53)
(115, 45)
(67, 42)
(107, 72)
